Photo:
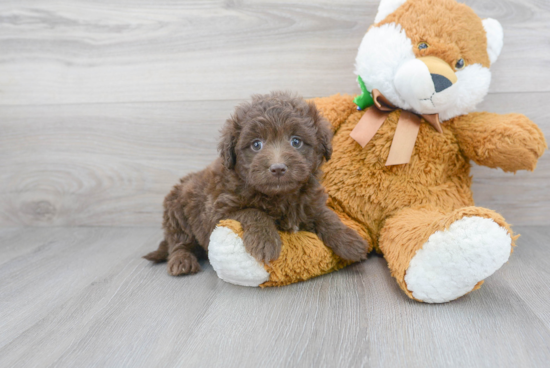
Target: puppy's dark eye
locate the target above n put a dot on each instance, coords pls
(423, 45)
(257, 145)
(459, 64)
(296, 142)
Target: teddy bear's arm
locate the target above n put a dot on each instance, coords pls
(336, 109)
(511, 141)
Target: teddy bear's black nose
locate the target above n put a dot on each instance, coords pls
(441, 83)
(278, 169)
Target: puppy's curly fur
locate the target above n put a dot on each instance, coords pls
(267, 178)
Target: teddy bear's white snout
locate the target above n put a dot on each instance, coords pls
(426, 92)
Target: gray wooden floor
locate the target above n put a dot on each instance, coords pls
(105, 104)
(82, 297)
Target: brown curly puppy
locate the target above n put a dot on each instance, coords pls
(267, 178)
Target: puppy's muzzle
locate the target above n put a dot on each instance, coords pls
(278, 170)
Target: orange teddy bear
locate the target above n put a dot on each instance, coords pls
(400, 172)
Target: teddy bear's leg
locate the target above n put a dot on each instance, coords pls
(229, 258)
(303, 256)
(437, 257)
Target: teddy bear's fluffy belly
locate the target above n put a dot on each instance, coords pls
(359, 183)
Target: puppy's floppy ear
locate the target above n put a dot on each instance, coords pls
(228, 142)
(324, 131)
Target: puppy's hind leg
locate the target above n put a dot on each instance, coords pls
(178, 233)
(182, 262)
(159, 255)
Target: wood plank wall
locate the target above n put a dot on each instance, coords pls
(105, 104)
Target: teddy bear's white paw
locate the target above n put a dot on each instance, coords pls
(453, 261)
(232, 262)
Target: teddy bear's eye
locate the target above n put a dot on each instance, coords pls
(423, 46)
(459, 64)
(257, 145)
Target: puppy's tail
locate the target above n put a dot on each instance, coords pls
(159, 255)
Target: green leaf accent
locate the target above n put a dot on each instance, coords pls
(364, 100)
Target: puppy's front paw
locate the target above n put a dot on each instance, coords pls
(347, 244)
(262, 244)
(182, 262)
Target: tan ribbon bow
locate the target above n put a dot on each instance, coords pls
(405, 133)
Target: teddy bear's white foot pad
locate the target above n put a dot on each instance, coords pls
(232, 262)
(452, 262)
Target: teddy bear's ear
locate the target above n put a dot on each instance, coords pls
(387, 7)
(495, 38)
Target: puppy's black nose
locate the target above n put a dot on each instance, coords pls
(278, 169)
